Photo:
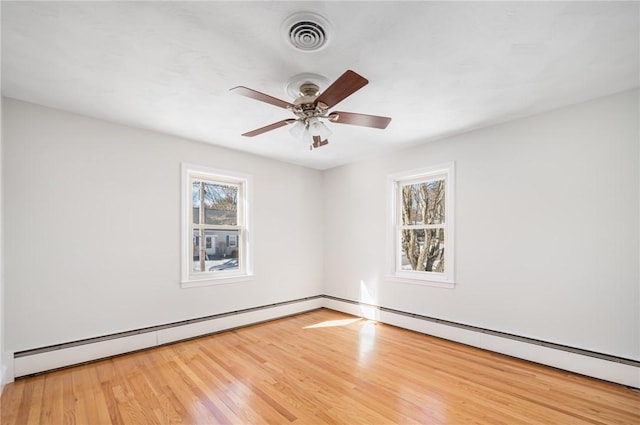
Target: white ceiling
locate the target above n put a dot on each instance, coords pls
(436, 68)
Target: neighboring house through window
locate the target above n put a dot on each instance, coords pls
(421, 226)
(215, 226)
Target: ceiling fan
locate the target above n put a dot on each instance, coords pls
(311, 106)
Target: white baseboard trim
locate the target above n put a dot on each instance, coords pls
(624, 373)
(49, 358)
(57, 358)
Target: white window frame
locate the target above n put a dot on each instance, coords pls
(394, 227)
(244, 182)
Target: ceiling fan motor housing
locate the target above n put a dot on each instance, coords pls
(305, 106)
(309, 89)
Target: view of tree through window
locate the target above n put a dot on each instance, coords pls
(422, 225)
(215, 226)
(219, 203)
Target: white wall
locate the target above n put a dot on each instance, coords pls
(3, 358)
(547, 225)
(4, 369)
(92, 236)
(547, 228)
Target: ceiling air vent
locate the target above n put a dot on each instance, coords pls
(306, 31)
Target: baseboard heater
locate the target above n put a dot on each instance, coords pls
(44, 359)
(603, 366)
(594, 364)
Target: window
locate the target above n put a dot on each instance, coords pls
(215, 226)
(421, 226)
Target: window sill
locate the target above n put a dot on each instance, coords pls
(450, 284)
(211, 281)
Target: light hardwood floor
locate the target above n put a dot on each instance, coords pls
(321, 367)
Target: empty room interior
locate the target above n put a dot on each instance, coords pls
(320, 212)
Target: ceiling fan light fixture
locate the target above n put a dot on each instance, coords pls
(297, 129)
(318, 128)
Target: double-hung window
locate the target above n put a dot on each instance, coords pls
(215, 229)
(421, 226)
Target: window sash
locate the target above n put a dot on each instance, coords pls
(239, 245)
(421, 226)
(400, 252)
(202, 211)
(202, 226)
(400, 228)
(444, 172)
(191, 277)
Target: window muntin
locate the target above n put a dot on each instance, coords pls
(422, 223)
(215, 241)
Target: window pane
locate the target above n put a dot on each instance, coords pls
(196, 264)
(423, 250)
(207, 249)
(412, 204)
(412, 243)
(423, 203)
(220, 204)
(435, 191)
(196, 245)
(225, 255)
(220, 250)
(195, 196)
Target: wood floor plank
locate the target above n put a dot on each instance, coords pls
(321, 367)
(52, 409)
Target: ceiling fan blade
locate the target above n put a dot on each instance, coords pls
(269, 127)
(347, 84)
(317, 142)
(244, 91)
(359, 119)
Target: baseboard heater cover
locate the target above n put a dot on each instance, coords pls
(43, 359)
(589, 363)
(598, 365)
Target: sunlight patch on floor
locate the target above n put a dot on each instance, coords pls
(333, 323)
(366, 341)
